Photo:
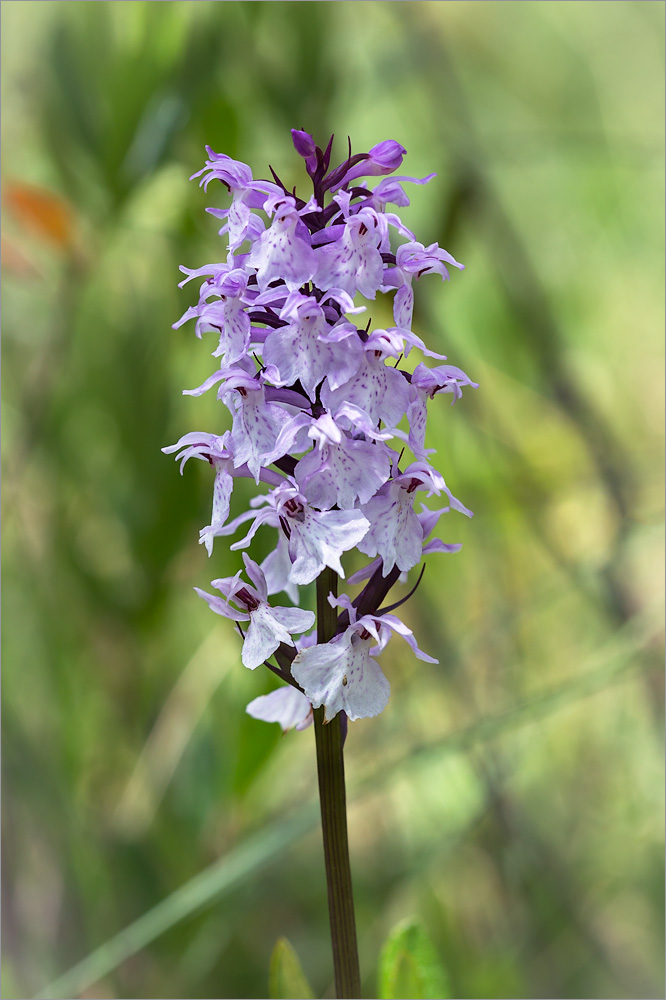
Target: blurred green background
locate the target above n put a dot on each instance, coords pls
(511, 797)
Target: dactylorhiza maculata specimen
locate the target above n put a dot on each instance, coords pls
(324, 417)
(315, 400)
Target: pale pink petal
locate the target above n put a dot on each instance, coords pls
(437, 545)
(395, 531)
(255, 574)
(417, 416)
(344, 473)
(294, 619)
(286, 705)
(403, 305)
(264, 635)
(222, 607)
(235, 334)
(377, 388)
(398, 626)
(320, 538)
(277, 567)
(341, 675)
(222, 489)
(299, 352)
(256, 426)
(281, 252)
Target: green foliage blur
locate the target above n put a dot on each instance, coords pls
(510, 798)
(409, 966)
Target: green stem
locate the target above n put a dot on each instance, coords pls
(331, 773)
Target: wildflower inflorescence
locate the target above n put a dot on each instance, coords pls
(314, 402)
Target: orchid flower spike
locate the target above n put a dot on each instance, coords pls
(318, 410)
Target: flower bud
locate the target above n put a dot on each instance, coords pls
(305, 146)
(385, 157)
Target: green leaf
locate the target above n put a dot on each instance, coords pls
(286, 979)
(409, 966)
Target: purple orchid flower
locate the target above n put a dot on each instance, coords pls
(308, 349)
(268, 626)
(426, 384)
(342, 675)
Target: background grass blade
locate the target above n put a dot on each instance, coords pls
(286, 980)
(241, 862)
(409, 967)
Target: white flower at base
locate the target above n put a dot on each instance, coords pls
(286, 705)
(342, 675)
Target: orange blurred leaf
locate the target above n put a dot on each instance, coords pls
(45, 213)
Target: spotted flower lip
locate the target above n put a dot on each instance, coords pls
(343, 675)
(341, 470)
(243, 602)
(308, 349)
(319, 409)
